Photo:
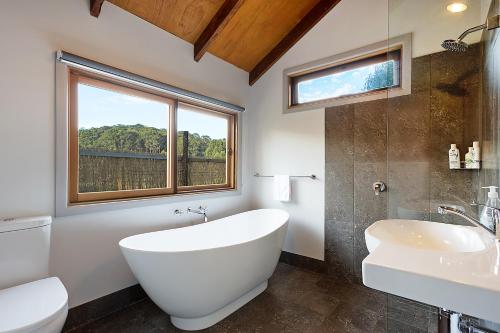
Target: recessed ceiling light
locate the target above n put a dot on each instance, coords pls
(456, 7)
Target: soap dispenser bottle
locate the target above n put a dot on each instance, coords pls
(476, 155)
(469, 159)
(454, 157)
(487, 218)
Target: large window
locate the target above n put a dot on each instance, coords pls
(128, 142)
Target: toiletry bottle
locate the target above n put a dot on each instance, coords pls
(454, 157)
(469, 159)
(487, 218)
(476, 155)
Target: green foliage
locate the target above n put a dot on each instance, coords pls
(202, 146)
(382, 77)
(143, 139)
(124, 138)
(216, 149)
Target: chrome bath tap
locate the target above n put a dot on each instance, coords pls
(200, 211)
(495, 230)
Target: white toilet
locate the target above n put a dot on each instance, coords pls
(30, 301)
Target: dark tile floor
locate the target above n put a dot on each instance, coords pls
(296, 300)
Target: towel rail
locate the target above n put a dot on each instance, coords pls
(262, 176)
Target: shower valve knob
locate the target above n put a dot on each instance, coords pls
(379, 187)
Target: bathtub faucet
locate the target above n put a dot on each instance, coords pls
(201, 211)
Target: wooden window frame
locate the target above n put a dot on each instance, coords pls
(361, 55)
(351, 64)
(76, 76)
(230, 155)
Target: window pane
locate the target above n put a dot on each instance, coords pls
(201, 147)
(352, 78)
(122, 141)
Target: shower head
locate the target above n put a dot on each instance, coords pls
(455, 45)
(458, 45)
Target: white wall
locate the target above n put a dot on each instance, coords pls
(485, 8)
(85, 254)
(295, 143)
(431, 23)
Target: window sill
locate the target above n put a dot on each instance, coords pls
(327, 103)
(129, 203)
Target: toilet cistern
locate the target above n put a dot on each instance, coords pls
(30, 300)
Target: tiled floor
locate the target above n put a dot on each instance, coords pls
(296, 301)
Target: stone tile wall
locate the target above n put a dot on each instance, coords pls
(404, 142)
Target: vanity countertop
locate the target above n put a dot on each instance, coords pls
(465, 282)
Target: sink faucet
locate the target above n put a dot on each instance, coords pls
(200, 211)
(495, 231)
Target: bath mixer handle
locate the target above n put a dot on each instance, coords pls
(379, 187)
(201, 211)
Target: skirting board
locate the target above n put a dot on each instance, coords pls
(303, 262)
(102, 307)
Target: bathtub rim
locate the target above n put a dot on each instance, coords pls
(283, 224)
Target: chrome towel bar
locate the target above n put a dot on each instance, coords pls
(262, 176)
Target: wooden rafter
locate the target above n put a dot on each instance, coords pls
(307, 22)
(95, 7)
(218, 22)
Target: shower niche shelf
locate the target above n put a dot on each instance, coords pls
(462, 167)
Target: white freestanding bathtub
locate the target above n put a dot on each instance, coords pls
(201, 274)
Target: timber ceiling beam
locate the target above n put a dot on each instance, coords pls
(218, 22)
(322, 8)
(95, 7)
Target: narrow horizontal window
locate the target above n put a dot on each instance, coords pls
(353, 78)
(125, 142)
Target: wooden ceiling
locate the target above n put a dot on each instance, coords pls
(250, 34)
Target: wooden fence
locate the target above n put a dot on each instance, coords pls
(110, 171)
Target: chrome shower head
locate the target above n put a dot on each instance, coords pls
(455, 45)
(458, 45)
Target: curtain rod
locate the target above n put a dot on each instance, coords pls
(83, 63)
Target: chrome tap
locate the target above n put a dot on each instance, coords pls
(495, 230)
(200, 211)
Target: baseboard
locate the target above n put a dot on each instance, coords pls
(102, 307)
(303, 262)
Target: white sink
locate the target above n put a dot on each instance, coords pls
(424, 235)
(448, 266)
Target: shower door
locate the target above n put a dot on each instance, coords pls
(403, 140)
(450, 103)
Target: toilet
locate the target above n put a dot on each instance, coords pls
(30, 300)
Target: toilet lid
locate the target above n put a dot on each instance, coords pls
(31, 305)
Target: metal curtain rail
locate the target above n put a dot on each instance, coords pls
(262, 176)
(83, 63)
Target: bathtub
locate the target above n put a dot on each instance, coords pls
(201, 274)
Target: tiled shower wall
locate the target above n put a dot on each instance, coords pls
(404, 142)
